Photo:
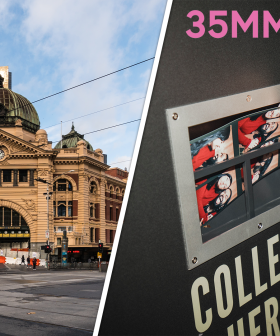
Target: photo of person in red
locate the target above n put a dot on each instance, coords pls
(216, 205)
(261, 126)
(208, 194)
(210, 149)
(262, 165)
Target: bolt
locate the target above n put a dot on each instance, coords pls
(175, 116)
(260, 226)
(249, 98)
(194, 261)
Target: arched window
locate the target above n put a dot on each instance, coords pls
(111, 191)
(62, 185)
(10, 217)
(64, 146)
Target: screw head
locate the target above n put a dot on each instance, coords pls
(249, 98)
(260, 226)
(175, 116)
(194, 260)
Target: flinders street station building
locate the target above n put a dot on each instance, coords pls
(86, 194)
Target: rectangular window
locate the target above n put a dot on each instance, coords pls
(96, 210)
(70, 209)
(111, 236)
(91, 234)
(117, 214)
(97, 231)
(23, 175)
(58, 241)
(111, 213)
(54, 209)
(61, 209)
(7, 175)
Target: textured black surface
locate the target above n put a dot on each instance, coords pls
(149, 293)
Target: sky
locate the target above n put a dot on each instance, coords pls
(53, 45)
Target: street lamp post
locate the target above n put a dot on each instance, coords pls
(48, 195)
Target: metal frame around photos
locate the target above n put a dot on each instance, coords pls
(198, 252)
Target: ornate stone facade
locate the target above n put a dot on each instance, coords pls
(86, 196)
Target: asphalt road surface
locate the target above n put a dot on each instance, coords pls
(49, 302)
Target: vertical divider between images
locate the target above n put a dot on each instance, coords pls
(236, 153)
(133, 165)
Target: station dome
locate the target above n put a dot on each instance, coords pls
(71, 139)
(14, 106)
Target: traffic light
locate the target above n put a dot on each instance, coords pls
(100, 247)
(48, 249)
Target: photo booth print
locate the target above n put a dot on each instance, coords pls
(251, 132)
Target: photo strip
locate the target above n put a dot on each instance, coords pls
(251, 132)
(214, 194)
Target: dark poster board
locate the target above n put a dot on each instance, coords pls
(150, 289)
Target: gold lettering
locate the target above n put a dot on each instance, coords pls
(200, 326)
(223, 269)
(258, 287)
(273, 259)
(254, 331)
(240, 284)
(271, 321)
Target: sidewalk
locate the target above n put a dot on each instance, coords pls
(7, 268)
(17, 269)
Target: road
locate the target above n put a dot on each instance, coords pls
(49, 302)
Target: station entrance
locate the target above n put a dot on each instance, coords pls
(14, 233)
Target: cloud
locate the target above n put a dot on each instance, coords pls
(78, 41)
(6, 15)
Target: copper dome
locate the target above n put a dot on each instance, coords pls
(14, 106)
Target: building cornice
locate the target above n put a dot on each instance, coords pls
(113, 179)
(81, 159)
